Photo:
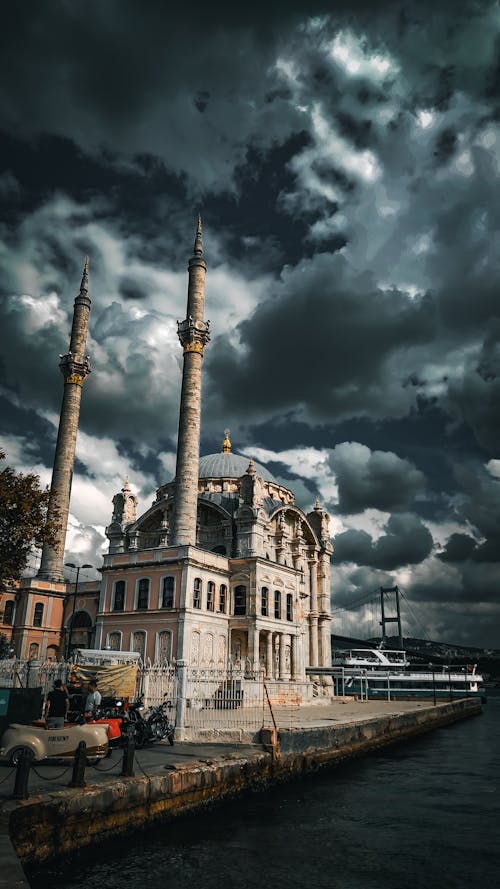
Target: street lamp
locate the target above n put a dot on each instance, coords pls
(77, 569)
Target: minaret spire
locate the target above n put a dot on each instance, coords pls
(194, 336)
(75, 367)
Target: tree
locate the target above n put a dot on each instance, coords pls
(23, 521)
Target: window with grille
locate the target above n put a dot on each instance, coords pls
(164, 646)
(264, 601)
(139, 642)
(277, 604)
(197, 592)
(38, 615)
(119, 598)
(167, 596)
(289, 606)
(210, 595)
(222, 598)
(114, 641)
(240, 600)
(8, 613)
(143, 594)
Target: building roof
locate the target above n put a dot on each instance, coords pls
(229, 465)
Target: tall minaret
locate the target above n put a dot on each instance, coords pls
(74, 366)
(194, 336)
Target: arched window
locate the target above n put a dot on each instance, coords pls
(264, 601)
(197, 592)
(164, 652)
(8, 613)
(167, 593)
(33, 651)
(240, 599)
(119, 596)
(81, 620)
(210, 595)
(289, 606)
(222, 598)
(38, 614)
(139, 642)
(143, 594)
(114, 641)
(277, 604)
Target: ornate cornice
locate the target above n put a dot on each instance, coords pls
(193, 335)
(74, 369)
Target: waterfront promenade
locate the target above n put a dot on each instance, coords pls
(167, 781)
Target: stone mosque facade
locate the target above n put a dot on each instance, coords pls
(222, 568)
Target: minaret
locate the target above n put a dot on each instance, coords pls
(193, 336)
(75, 367)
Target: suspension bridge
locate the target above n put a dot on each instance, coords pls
(382, 613)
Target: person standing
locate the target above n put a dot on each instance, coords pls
(93, 698)
(57, 705)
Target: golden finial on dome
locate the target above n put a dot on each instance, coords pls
(226, 444)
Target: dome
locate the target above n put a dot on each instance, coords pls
(230, 465)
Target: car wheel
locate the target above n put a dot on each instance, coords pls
(16, 754)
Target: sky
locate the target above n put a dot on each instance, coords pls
(345, 159)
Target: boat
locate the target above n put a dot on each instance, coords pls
(387, 673)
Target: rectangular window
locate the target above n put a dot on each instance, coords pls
(240, 600)
(8, 614)
(167, 596)
(289, 606)
(197, 593)
(264, 601)
(119, 598)
(222, 598)
(38, 615)
(143, 594)
(210, 595)
(277, 604)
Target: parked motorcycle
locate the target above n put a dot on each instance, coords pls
(155, 727)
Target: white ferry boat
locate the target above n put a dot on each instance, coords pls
(387, 673)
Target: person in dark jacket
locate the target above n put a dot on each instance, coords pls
(57, 705)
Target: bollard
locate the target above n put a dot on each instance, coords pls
(128, 756)
(22, 775)
(79, 763)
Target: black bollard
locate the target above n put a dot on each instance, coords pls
(22, 775)
(128, 757)
(79, 763)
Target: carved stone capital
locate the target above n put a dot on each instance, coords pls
(193, 335)
(74, 368)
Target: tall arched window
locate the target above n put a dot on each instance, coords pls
(264, 601)
(222, 598)
(119, 596)
(210, 595)
(240, 599)
(164, 652)
(139, 642)
(8, 613)
(277, 604)
(143, 594)
(38, 614)
(34, 651)
(115, 641)
(167, 593)
(197, 592)
(289, 606)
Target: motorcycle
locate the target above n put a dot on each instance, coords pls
(155, 727)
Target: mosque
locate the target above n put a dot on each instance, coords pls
(222, 568)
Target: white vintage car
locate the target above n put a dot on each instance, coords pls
(41, 742)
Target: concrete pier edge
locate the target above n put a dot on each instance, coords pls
(43, 828)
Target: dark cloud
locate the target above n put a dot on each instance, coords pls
(407, 542)
(378, 479)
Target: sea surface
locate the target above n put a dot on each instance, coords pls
(420, 815)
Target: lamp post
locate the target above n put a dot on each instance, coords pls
(75, 593)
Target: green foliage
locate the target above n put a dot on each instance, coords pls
(5, 647)
(23, 521)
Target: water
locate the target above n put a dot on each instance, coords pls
(421, 815)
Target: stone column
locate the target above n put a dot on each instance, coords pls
(193, 336)
(269, 656)
(282, 663)
(296, 671)
(313, 616)
(75, 367)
